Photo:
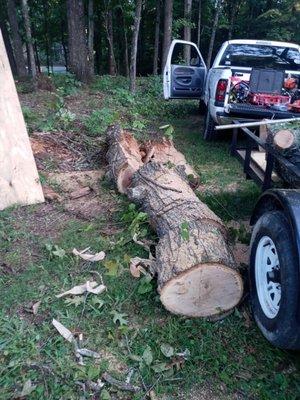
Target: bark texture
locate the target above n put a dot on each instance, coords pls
(168, 23)
(134, 44)
(16, 38)
(78, 51)
(195, 269)
(110, 38)
(91, 33)
(199, 23)
(156, 40)
(29, 41)
(218, 10)
(187, 28)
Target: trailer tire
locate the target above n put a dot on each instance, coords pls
(210, 133)
(272, 244)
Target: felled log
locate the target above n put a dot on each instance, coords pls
(285, 139)
(196, 272)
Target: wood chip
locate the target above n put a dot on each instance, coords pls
(80, 192)
(88, 256)
(63, 331)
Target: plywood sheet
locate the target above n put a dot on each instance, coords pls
(19, 180)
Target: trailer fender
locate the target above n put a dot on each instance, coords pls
(287, 201)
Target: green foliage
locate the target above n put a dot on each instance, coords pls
(66, 84)
(97, 123)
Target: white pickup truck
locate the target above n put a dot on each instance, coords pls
(249, 80)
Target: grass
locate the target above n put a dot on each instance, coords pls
(231, 356)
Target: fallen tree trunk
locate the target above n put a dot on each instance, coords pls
(195, 269)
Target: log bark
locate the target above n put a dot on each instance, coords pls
(195, 269)
(29, 40)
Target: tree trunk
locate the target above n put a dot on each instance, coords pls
(199, 24)
(156, 40)
(168, 21)
(214, 31)
(196, 272)
(8, 46)
(16, 39)
(112, 68)
(78, 51)
(126, 54)
(187, 29)
(46, 35)
(29, 41)
(134, 44)
(91, 32)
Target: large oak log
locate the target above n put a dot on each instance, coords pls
(195, 269)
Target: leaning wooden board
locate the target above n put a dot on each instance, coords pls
(19, 179)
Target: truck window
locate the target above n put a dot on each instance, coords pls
(261, 56)
(185, 54)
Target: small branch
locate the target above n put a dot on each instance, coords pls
(120, 385)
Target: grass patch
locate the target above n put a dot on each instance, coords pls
(128, 325)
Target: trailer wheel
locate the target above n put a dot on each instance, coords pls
(274, 280)
(209, 128)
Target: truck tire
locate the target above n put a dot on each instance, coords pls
(275, 281)
(209, 128)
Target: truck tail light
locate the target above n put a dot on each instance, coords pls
(221, 90)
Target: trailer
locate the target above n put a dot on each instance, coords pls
(274, 265)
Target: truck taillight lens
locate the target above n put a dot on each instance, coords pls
(221, 90)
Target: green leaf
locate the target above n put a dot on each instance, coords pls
(112, 267)
(145, 285)
(159, 368)
(105, 395)
(167, 350)
(147, 356)
(58, 252)
(119, 318)
(75, 301)
(185, 231)
(97, 302)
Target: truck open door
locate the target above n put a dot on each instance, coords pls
(185, 72)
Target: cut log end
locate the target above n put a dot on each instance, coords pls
(202, 291)
(284, 139)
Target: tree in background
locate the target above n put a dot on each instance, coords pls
(16, 39)
(134, 44)
(156, 37)
(79, 62)
(168, 22)
(187, 27)
(29, 41)
(218, 8)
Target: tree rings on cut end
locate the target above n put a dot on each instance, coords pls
(202, 291)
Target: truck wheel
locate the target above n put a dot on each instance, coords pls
(209, 128)
(202, 108)
(274, 280)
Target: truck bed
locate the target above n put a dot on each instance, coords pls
(258, 112)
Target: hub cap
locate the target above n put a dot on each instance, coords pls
(267, 277)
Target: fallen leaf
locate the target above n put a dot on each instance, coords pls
(35, 307)
(95, 290)
(63, 331)
(88, 256)
(152, 395)
(112, 267)
(105, 395)
(167, 350)
(75, 301)
(27, 389)
(160, 367)
(147, 355)
(118, 317)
